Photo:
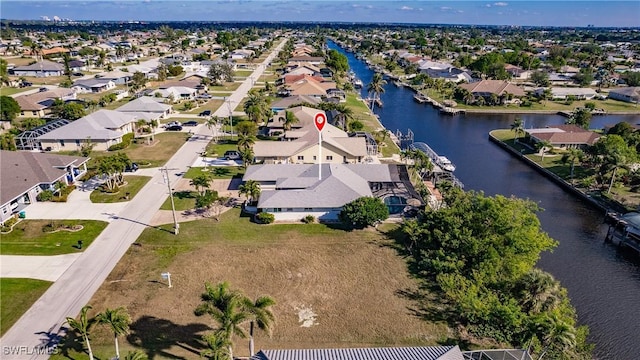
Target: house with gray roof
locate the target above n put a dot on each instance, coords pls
(43, 68)
(383, 353)
(103, 128)
(628, 94)
(93, 85)
(25, 174)
(39, 104)
(147, 104)
(292, 191)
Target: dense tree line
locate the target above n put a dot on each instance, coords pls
(479, 252)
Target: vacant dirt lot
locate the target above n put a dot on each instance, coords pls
(346, 286)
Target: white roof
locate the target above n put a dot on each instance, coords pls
(145, 104)
(99, 125)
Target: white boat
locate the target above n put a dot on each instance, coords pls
(357, 83)
(443, 162)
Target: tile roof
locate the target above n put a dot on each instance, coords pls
(497, 87)
(22, 170)
(389, 353)
(296, 99)
(564, 134)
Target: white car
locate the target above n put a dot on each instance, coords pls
(173, 123)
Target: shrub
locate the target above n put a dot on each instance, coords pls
(46, 195)
(265, 218)
(363, 212)
(309, 219)
(9, 224)
(126, 141)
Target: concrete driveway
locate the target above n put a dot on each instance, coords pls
(48, 268)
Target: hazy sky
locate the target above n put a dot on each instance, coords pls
(530, 12)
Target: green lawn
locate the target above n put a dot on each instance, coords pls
(6, 91)
(243, 73)
(215, 149)
(134, 184)
(28, 237)
(371, 124)
(217, 172)
(229, 86)
(183, 200)
(211, 105)
(17, 297)
(155, 154)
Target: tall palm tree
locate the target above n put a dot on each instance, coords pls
(572, 156)
(256, 106)
(614, 161)
(217, 346)
(211, 124)
(262, 316)
(559, 334)
(83, 326)
(288, 121)
(226, 308)
(542, 147)
(376, 86)
(345, 114)
(250, 189)
(118, 321)
(247, 157)
(516, 127)
(246, 141)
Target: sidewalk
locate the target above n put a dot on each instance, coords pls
(48, 268)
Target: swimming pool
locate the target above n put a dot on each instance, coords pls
(395, 204)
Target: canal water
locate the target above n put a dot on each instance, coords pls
(603, 283)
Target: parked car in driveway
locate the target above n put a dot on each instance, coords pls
(173, 123)
(205, 113)
(174, 128)
(190, 123)
(232, 155)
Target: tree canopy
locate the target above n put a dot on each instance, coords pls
(9, 108)
(480, 253)
(363, 212)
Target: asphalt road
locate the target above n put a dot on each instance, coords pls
(42, 326)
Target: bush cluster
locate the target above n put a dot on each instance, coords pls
(265, 218)
(8, 224)
(126, 141)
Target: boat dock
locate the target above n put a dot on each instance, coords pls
(441, 161)
(451, 111)
(624, 230)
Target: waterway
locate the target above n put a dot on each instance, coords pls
(603, 283)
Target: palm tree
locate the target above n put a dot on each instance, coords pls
(288, 121)
(226, 308)
(559, 334)
(614, 161)
(516, 127)
(83, 326)
(118, 320)
(539, 291)
(256, 106)
(376, 86)
(247, 157)
(250, 189)
(201, 183)
(572, 156)
(212, 124)
(345, 114)
(245, 142)
(217, 346)
(262, 316)
(542, 147)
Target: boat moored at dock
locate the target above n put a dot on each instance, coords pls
(442, 161)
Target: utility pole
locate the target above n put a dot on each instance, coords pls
(230, 114)
(176, 226)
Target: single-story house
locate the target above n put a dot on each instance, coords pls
(388, 353)
(288, 101)
(293, 191)
(93, 85)
(77, 65)
(25, 174)
(628, 94)
(241, 54)
(314, 60)
(563, 136)
(517, 72)
(178, 93)
(147, 104)
(562, 93)
(43, 68)
(54, 51)
(450, 74)
(486, 88)
(310, 87)
(104, 128)
(302, 69)
(38, 104)
(118, 77)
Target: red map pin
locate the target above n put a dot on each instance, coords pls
(320, 119)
